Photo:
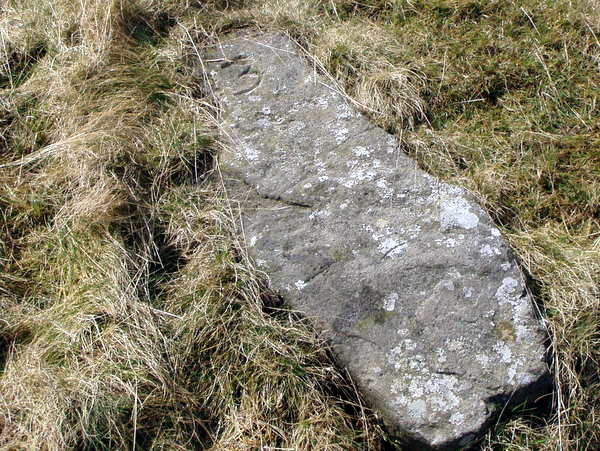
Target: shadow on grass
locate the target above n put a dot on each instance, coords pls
(20, 65)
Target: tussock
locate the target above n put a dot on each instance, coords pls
(358, 54)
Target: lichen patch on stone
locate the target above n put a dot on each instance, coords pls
(457, 213)
(389, 302)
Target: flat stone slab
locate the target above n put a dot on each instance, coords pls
(406, 275)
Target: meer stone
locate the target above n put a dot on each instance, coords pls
(406, 275)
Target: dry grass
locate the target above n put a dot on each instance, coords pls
(359, 53)
(131, 316)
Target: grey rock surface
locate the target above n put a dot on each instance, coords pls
(406, 275)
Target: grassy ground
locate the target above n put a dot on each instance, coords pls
(131, 316)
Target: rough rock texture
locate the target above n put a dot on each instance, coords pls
(407, 276)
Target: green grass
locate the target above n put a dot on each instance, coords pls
(131, 315)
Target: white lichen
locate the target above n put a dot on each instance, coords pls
(361, 151)
(456, 212)
(383, 189)
(389, 302)
(489, 251)
(250, 153)
(457, 418)
(340, 135)
(300, 285)
(505, 291)
(447, 284)
(319, 214)
(503, 351)
(322, 101)
(343, 111)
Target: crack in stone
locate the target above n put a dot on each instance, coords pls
(238, 59)
(450, 373)
(290, 203)
(324, 268)
(360, 337)
(245, 71)
(392, 249)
